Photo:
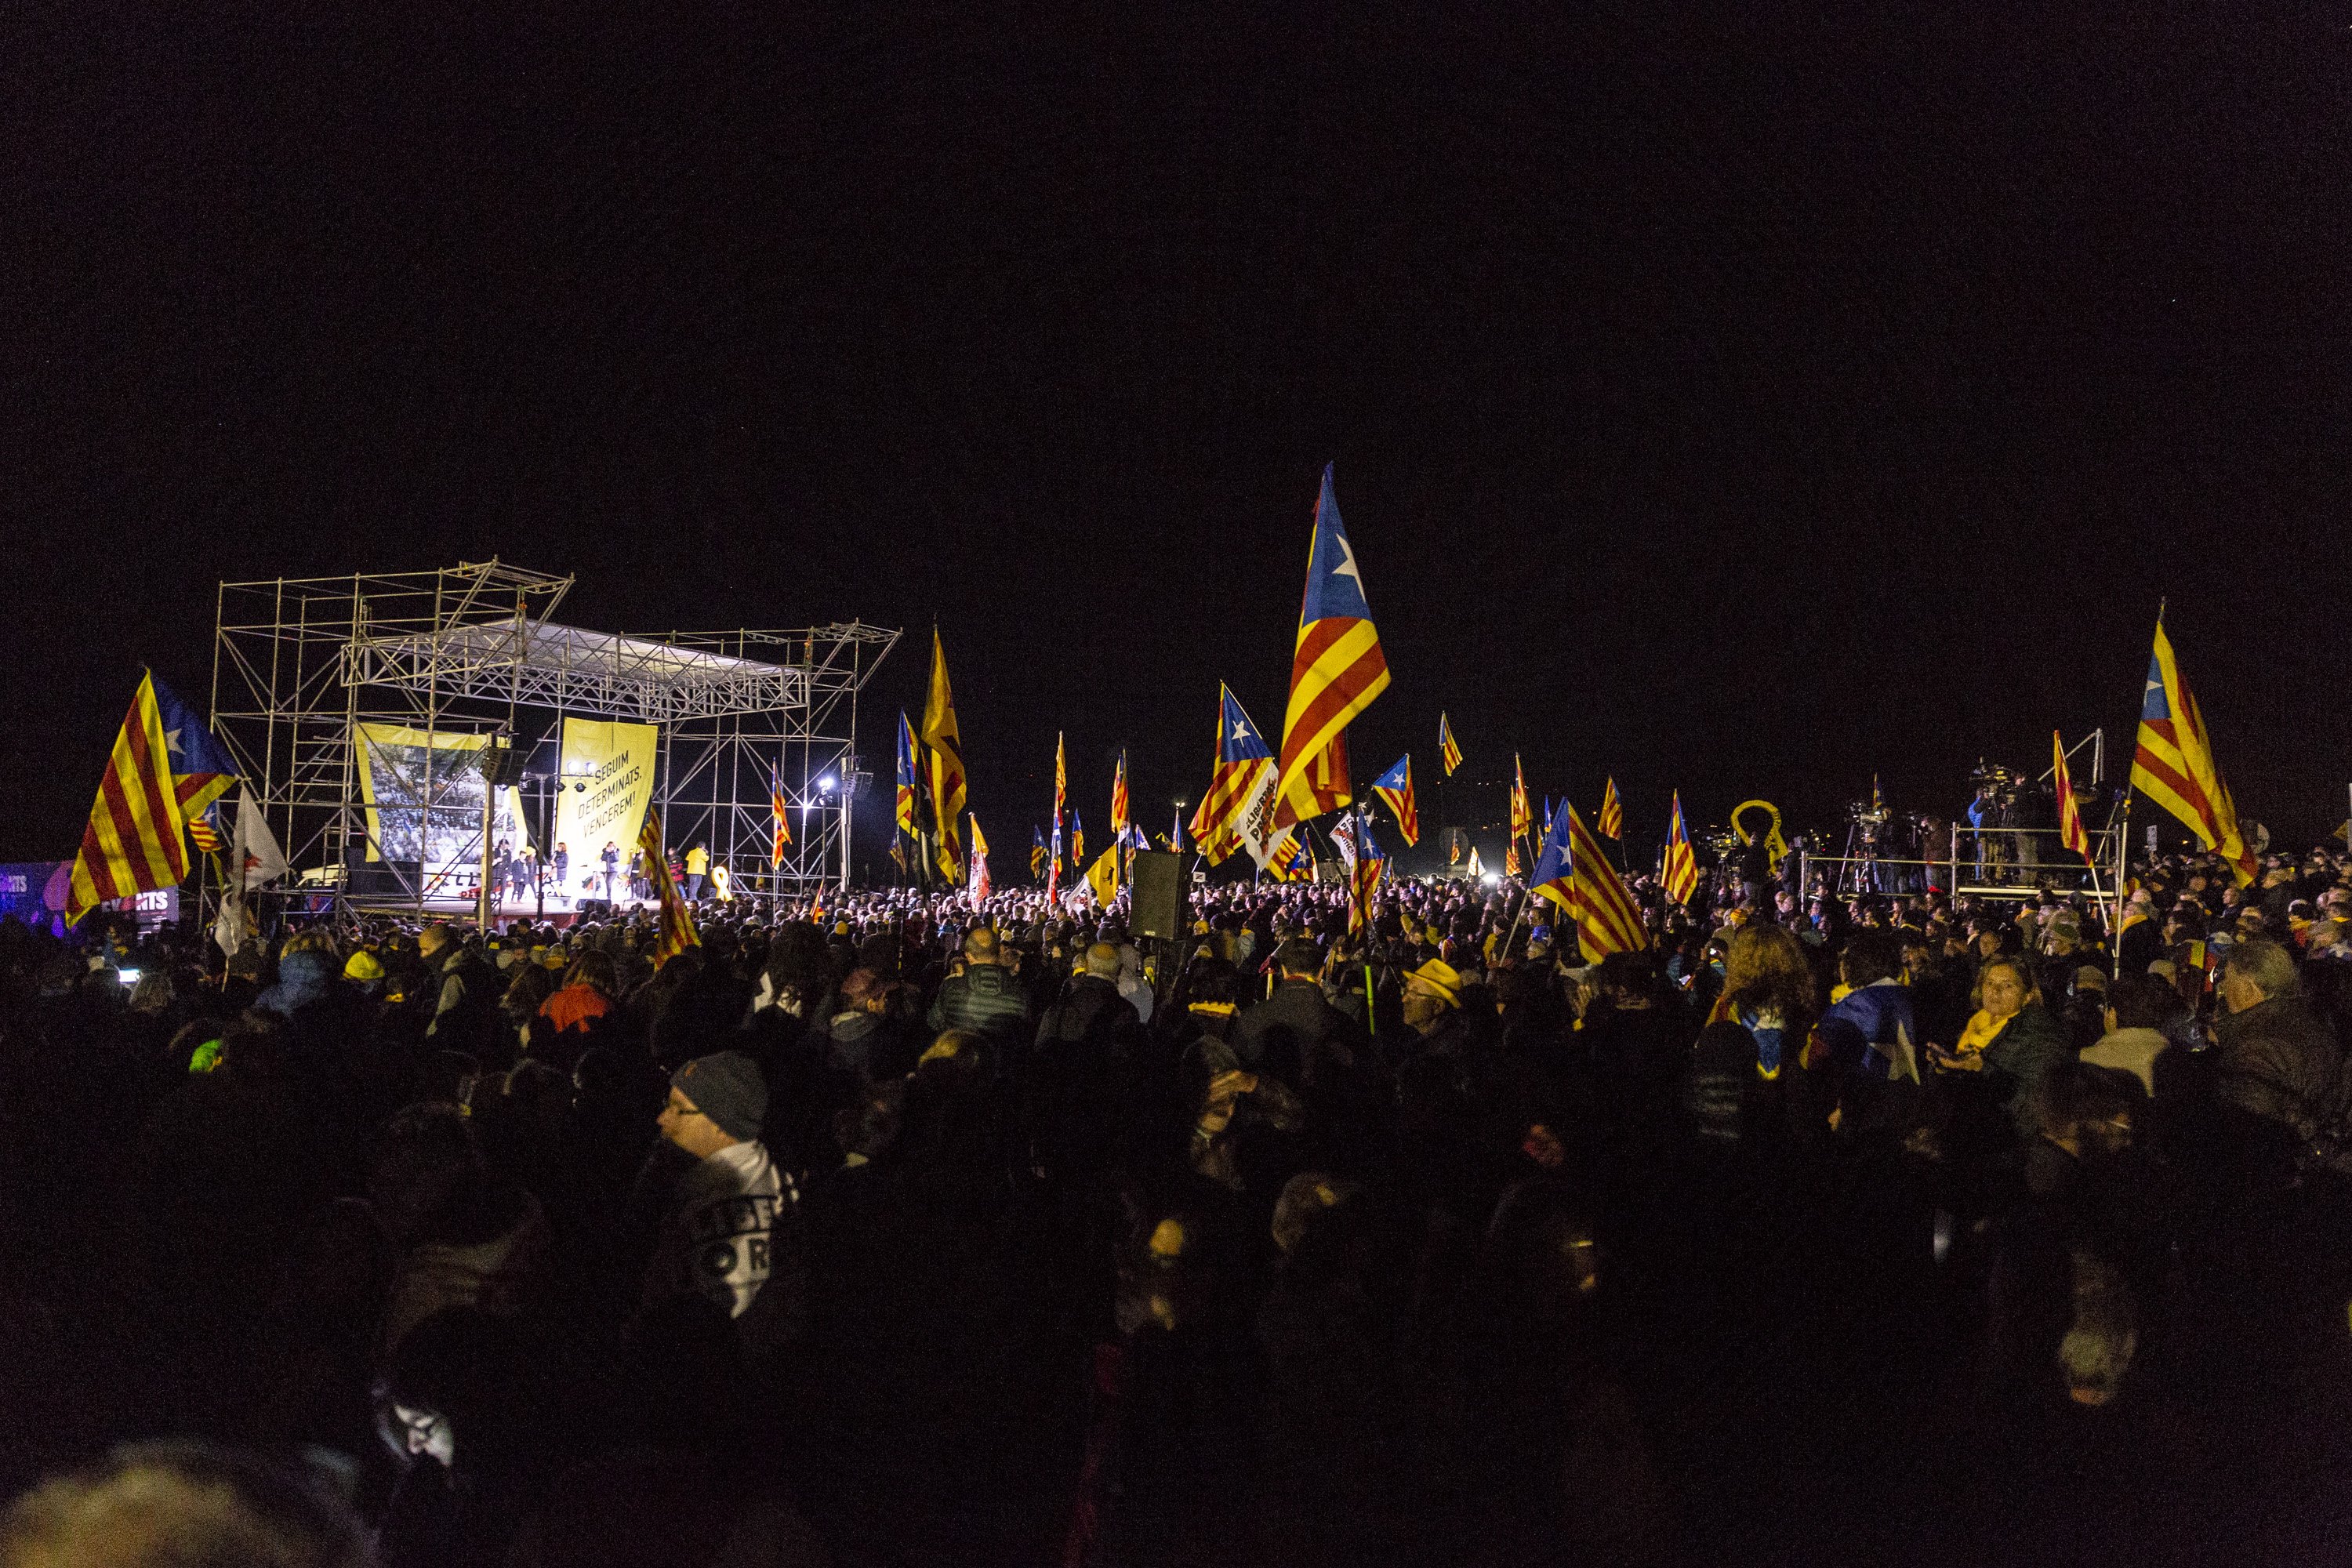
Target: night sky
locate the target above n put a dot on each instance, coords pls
(1736, 409)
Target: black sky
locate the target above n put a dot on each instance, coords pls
(1741, 409)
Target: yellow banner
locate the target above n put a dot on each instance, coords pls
(607, 783)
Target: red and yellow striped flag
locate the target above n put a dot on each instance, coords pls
(1336, 668)
(1448, 751)
(677, 933)
(2069, 813)
(1523, 815)
(1118, 797)
(136, 838)
(1576, 876)
(1613, 813)
(2173, 762)
(1680, 875)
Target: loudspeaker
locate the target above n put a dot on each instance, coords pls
(502, 766)
(1156, 907)
(366, 878)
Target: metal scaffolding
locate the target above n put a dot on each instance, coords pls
(746, 716)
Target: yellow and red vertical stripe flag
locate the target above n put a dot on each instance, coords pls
(945, 751)
(1061, 805)
(165, 768)
(1337, 669)
(1680, 874)
(2070, 811)
(1575, 875)
(2173, 764)
(1394, 788)
(1523, 815)
(1611, 821)
(677, 933)
(1448, 752)
(1118, 812)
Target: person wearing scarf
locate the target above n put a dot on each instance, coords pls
(2011, 1035)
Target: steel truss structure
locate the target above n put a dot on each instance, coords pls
(745, 716)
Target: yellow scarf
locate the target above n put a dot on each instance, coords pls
(1982, 1030)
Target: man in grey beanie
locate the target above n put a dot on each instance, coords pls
(717, 1230)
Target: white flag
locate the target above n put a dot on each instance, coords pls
(254, 851)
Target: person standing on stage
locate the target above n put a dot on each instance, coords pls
(610, 856)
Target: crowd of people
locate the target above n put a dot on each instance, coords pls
(904, 1230)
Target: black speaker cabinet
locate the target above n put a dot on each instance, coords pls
(1157, 904)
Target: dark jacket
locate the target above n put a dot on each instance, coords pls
(987, 999)
(1086, 1050)
(1296, 1018)
(2027, 1047)
(2278, 1061)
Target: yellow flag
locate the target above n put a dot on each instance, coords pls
(946, 757)
(1102, 878)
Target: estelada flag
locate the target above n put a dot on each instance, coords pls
(1523, 815)
(1394, 788)
(1363, 887)
(1243, 766)
(1448, 754)
(2173, 762)
(1118, 797)
(1337, 669)
(1574, 874)
(677, 933)
(907, 786)
(1680, 875)
(1037, 853)
(1613, 813)
(165, 767)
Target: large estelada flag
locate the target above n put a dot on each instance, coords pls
(1395, 789)
(165, 768)
(2173, 763)
(1336, 668)
(1680, 874)
(945, 749)
(1575, 875)
(677, 933)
